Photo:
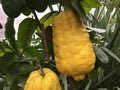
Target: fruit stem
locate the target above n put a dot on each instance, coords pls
(40, 68)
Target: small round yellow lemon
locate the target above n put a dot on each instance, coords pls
(37, 81)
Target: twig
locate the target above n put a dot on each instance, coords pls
(64, 81)
(51, 8)
(18, 53)
(41, 26)
(59, 8)
(71, 83)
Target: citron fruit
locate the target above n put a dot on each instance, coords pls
(74, 54)
(37, 81)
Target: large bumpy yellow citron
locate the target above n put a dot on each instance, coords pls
(37, 81)
(74, 54)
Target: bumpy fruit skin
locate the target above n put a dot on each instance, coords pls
(74, 54)
(36, 81)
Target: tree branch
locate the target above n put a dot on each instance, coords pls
(41, 26)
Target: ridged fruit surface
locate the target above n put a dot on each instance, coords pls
(37, 81)
(74, 54)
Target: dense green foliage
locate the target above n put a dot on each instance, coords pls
(32, 47)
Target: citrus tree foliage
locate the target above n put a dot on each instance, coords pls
(33, 45)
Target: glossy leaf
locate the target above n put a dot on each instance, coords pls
(3, 46)
(50, 2)
(1, 53)
(25, 31)
(4, 49)
(99, 30)
(93, 75)
(48, 18)
(13, 8)
(95, 21)
(118, 88)
(26, 11)
(78, 7)
(14, 70)
(101, 55)
(84, 6)
(117, 36)
(88, 4)
(10, 32)
(32, 52)
(109, 52)
(88, 85)
(4, 62)
(15, 86)
(39, 5)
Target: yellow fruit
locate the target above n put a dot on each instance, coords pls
(37, 81)
(74, 54)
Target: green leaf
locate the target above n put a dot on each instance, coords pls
(88, 85)
(26, 11)
(48, 18)
(118, 88)
(39, 5)
(4, 62)
(84, 6)
(13, 8)
(93, 75)
(17, 69)
(10, 32)
(105, 19)
(2, 81)
(110, 53)
(77, 6)
(77, 85)
(32, 52)
(3, 49)
(90, 3)
(101, 55)
(51, 2)
(15, 86)
(1, 53)
(95, 21)
(63, 2)
(25, 31)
